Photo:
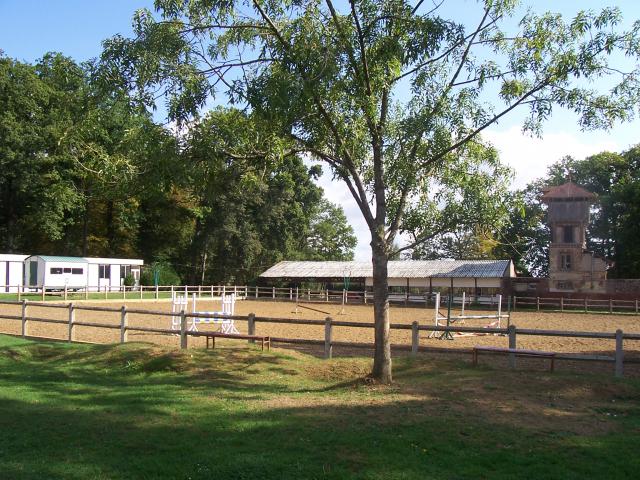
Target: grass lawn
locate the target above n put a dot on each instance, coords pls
(143, 411)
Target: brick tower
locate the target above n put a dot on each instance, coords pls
(572, 268)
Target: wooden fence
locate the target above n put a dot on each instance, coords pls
(562, 304)
(328, 324)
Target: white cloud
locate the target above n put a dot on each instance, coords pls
(530, 157)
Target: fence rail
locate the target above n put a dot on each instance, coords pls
(329, 324)
(562, 304)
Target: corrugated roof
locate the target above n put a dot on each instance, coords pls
(54, 258)
(567, 191)
(396, 269)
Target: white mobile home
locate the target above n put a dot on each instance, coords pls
(111, 272)
(94, 274)
(11, 272)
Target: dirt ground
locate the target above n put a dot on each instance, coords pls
(319, 311)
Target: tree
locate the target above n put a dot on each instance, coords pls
(330, 236)
(386, 93)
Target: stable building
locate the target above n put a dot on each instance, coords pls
(11, 272)
(477, 277)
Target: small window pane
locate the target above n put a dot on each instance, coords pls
(67, 270)
(77, 271)
(55, 271)
(568, 234)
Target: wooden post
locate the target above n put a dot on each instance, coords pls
(183, 329)
(610, 305)
(515, 301)
(273, 293)
(72, 319)
(65, 293)
(235, 290)
(157, 293)
(20, 287)
(328, 347)
(619, 354)
(86, 292)
(212, 291)
(538, 303)
(124, 292)
(326, 293)
(586, 307)
(415, 339)
(124, 335)
(464, 295)
(199, 291)
(636, 305)
(257, 291)
(25, 322)
(406, 294)
(43, 291)
(364, 296)
(186, 291)
(562, 304)
(141, 288)
(106, 295)
(512, 344)
(172, 294)
(290, 294)
(251, 325)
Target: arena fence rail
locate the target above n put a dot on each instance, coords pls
(328, 324)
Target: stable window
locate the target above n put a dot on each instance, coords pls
(67, 270)
(564, 285)
(567, 234)
(565, 261)
(55, 271)
(104, 271)
(77, 271)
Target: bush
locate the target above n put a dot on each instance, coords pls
(166, 275)
(129, 281)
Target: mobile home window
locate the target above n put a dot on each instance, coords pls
(125, 270)
(67, 270)
(104, 271)
(77, 271)
(55, 271)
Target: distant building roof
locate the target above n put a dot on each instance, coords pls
(396, 269)
(567, 191)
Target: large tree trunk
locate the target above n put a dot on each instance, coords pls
(382, 356)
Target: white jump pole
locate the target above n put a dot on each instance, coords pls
(464, 296)
(436, 315)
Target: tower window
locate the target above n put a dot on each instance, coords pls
(567, 234)
(565, 261)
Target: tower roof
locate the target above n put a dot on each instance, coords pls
(565, 192)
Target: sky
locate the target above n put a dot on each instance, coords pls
(29, 28)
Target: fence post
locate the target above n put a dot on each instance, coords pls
(257, 291)
(19, 286)
(610, 305)
(25, 322)
(273, 292)
(124, 335)
(43, 291)
(328, 347)
(538, 303)
(619, 354)
(186, 291)
(562, 304)
(251, 325)
(515, 301)
(212, 292)
(290, 294)
(106, 295)
(415, 339)
(183, 330)
(364, 296)
(636, 305)
(124, 292)
(512, 345)
(586, 306)
(72, 319)
(86, 292)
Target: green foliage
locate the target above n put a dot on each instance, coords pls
(330, 237)
(159, 273)
(129, 281)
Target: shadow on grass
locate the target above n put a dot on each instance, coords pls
(142, 412)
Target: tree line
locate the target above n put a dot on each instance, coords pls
(84, 172)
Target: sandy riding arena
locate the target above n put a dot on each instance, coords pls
(319, 311)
